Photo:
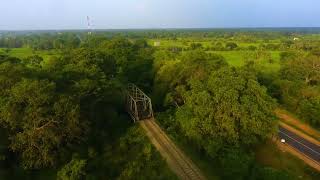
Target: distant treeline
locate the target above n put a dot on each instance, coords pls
(64, 39)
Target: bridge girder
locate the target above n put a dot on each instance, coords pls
(138, 104)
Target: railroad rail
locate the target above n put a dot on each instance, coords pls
(139, 107)
(176, 159)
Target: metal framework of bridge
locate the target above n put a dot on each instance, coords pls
(138, 104)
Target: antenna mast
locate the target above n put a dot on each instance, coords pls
(89, 25)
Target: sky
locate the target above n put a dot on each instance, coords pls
(132, 14)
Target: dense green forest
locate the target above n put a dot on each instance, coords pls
(214, 92)
(65, 114)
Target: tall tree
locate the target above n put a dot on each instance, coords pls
(41, 122)
(231, 108)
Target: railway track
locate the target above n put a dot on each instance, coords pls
(177, 161)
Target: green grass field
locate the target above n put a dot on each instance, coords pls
(237, 58)
(234, 58)
(26, 52)
(168, 43)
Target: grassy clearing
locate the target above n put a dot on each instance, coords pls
(270, 155)
(21, 52)
(234, 58)
(26, 52)
(242, 44)
(239, 58)
(168, 43)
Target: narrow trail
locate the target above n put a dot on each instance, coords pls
(176, 159)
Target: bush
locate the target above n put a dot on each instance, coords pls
(231, 46)
(74, 170)
(235, 163)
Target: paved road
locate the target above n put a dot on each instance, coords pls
(177, 161)
(302, 145)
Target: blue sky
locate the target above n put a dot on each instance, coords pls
(123, 14)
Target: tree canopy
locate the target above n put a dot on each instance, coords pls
(231, 108)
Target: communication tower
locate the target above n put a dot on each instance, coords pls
(89, 25)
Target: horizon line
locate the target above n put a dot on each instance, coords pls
(159, 28)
